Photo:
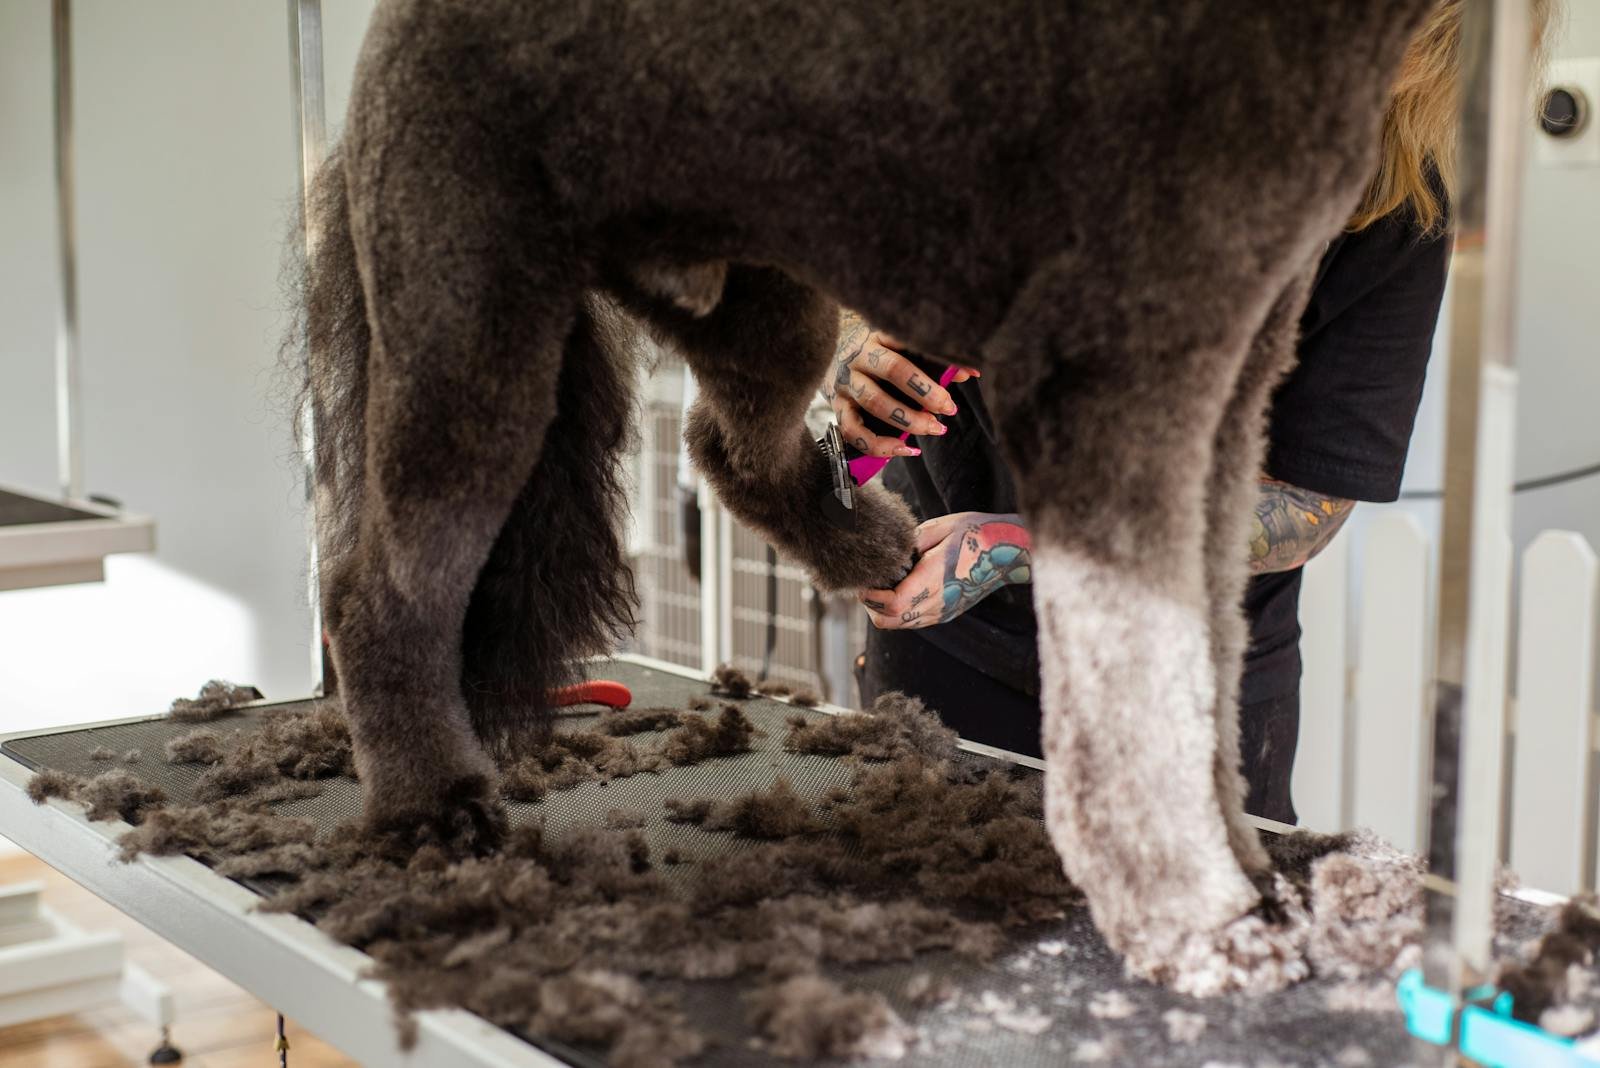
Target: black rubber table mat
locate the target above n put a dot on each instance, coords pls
(1042, 982)
(18, 510)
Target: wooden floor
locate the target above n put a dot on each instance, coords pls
(218, 1024)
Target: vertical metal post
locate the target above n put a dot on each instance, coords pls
(712, 636)
(311, 137)
(69, 364)
(1460, 838)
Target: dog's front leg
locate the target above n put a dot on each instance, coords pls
(1109, 420)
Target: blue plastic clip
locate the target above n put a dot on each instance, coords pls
(1489, 1035)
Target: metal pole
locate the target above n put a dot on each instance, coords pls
(311, 137)
(1459, 833)
(69, 364)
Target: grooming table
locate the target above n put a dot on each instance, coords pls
(1028, 1006)
(52, 543)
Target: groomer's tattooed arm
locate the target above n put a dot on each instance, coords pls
(1291, 525)
(965, 558)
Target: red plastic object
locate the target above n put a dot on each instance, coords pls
(594, 692)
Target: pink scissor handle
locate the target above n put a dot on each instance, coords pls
(865, 468)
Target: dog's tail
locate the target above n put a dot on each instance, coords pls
(327, 346)
(556, 586)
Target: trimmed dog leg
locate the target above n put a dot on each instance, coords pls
(1109, 415)
(1234, 486)
(758, 359)
(468, 328)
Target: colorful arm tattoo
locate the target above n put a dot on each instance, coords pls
(986, 555)
(1292, 525)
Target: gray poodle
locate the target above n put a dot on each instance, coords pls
(1110, 206)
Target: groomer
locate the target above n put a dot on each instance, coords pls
(960, 632)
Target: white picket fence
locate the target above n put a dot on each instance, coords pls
(1365, 691)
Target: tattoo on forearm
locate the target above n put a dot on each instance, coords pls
(991, 554)
(1292, 525)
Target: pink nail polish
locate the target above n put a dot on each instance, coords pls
(916, 452)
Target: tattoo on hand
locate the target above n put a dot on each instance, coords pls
(993, 553)
(898, 418)
(920, 597)
(860, 443)
(876, 606)
(1292, 525)
(910, 617)
(918, 386)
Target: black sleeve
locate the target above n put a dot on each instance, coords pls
(1341, 421)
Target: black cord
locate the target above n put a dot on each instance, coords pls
(1557, 479)
(282, 1045)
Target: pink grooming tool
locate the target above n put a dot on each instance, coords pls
(864, 469)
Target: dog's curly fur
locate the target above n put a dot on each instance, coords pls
(1110, 206)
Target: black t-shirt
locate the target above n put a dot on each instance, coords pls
(1340, 425)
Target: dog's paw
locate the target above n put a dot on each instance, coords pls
(465, 820)
(874, 554)
(1258, 953)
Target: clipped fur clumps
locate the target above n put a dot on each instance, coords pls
(1542, 984)
(805, 697)
(729, 681)
(699, 703)
(625, 721)
(895, 725)
(215, 698)
(606, 1008)
(700, 738)
(302, 745)
(100, 754)
(52, 783)
(775, 813)
(771, 688)
(109, 795)
(119, 795)
(809, 1017)
(199, 746)
(561, 760)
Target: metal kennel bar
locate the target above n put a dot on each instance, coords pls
(1463, 758)
(69, 361)
(311, 139)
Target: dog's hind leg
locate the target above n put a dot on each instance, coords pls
(758, 358)
(1109, 411)
(1234, 485)
(471, 298)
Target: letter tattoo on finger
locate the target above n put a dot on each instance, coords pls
(918, 386)
(898, 418)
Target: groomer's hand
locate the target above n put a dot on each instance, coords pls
(864, 361)
(965, 558)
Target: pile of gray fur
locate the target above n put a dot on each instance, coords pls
(561, 935)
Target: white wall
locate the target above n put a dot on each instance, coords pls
(186, 171)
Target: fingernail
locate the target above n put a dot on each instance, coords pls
(907, 451)
(942, 429)
(953, 408)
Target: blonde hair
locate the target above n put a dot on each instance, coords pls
(1418, 155)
